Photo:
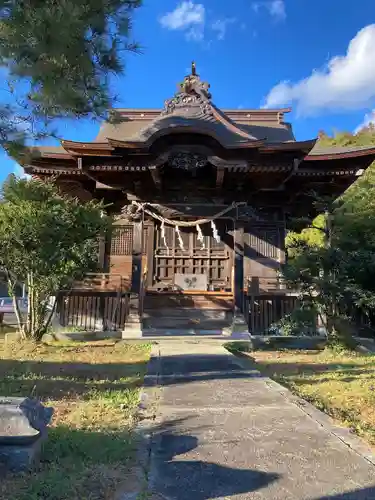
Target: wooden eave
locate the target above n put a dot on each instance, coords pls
(333, 172)
(87, 148)
(302, 146)
(55, 156)
(340, 155)
(37, 153)
(144, 147)
(52, 170)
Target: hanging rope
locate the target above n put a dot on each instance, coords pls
(200, 237)
(215, 234)
(162, 228)
(180, 242)
(181, 223)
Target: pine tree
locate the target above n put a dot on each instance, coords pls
(58, 57)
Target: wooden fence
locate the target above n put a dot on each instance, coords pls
(98, 302)
(93, 310)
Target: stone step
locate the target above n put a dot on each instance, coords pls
(186, 312)
(182, 332)
(185, 322)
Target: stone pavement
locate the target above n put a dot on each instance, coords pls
(222, 431)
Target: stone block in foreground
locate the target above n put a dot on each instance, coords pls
(23, 428)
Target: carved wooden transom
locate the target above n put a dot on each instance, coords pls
(185, 160)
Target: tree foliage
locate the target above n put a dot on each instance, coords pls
(46, 241)
(332, 262)
(58, 56)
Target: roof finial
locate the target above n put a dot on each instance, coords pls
(193, 69)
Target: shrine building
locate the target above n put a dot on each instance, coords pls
(201, 199)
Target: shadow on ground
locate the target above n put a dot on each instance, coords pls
(64, 380)
(186, 478)
(57, 380)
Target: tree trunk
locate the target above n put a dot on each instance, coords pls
(12, 283)
(50, 316)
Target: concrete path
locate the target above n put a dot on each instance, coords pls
(222, 431)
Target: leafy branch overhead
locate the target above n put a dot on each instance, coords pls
(59, 56)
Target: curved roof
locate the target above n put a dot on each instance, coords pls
(191, 110)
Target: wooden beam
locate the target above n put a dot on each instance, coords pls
(156, 177)
(219, 177)
(238, 266)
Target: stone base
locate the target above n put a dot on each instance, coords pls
(20, 458)
(89, 336)
(239, 327)
(133, 328)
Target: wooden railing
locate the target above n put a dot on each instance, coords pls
(102, 282)
(266, 302)
(100, 301)
(263, 311)
(93, 310)
(275, 286)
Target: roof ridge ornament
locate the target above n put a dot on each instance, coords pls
(192, 84)
(192, 91)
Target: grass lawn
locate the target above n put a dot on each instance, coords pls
(341, 384)
(94, 388)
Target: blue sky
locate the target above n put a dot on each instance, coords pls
(318, 57)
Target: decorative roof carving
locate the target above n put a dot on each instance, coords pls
(191, 92)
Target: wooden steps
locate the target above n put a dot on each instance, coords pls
(202, 300)
(187, 312)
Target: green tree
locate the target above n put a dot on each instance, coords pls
(332, 260)
(47, 241)
(58, 56)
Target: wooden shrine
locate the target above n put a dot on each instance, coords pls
(201, 198)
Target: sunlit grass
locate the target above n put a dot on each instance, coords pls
(94, 389)
(341, 384)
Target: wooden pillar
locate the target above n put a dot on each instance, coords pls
(150, 253)
(239, 325)
(137, 257)
(238, 267)
(133, 326)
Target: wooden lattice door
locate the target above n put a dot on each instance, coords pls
(213, 258)
(120, 257)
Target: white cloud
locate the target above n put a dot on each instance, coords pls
(221, 25)
(345, 83)
(188, 17)
(18, 171)
(369, 119)
(275, 8)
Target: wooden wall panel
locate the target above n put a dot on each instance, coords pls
(264, 251)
